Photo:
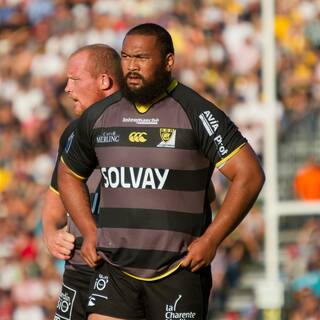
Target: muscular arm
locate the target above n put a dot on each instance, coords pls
(246, 180)
(75, 197)
(59, 242)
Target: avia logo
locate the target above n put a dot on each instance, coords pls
(137, 137)
(210, 123)
(129, 177)
(172, 313)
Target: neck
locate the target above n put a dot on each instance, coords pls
(111, 91)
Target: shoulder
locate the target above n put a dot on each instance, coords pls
(95, 110)
(68, 131)
(187, 94)
(70, 127)
(194, 103)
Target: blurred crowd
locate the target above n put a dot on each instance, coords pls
(218, 53)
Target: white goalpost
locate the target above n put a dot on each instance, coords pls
(269, 293)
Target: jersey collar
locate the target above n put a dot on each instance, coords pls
(143, 108)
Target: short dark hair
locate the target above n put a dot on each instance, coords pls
(103, 59)
(162, 35)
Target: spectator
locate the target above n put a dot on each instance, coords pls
(252, 233)
(6, 305)
(307, 180)
(33, 36)
(307, 306)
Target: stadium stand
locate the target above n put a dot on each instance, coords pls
(218, 53)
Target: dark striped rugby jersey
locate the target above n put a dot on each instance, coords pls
(93, 182)
(156, 162)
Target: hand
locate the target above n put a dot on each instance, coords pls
(200, 254)
(89, 252)
(60, 243)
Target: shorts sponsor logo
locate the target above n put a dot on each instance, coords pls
(210, 123)
(137, 136)
(172, 313)
(141, 121)
(101, 282)
(65, 303)
(136, 178)
(168, 137)
(108, 137)
(92, 301)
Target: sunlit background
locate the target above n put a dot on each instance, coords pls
(221, 48)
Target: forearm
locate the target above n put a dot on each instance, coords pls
(53, 214)
(75, 198)
(246, 180)
(59, 242)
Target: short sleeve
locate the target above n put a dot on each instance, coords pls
(67, 133)
(79, 154)
(217, 136)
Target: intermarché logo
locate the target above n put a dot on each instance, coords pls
(136, 136)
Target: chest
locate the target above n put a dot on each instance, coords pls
(154, 150)
(160, 138)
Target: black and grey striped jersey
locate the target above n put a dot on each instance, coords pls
(156, 162)
(93, 184)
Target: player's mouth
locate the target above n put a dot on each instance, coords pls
(134, 79)
(75, 100)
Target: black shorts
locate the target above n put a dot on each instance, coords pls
(73, 298)
(181, 295)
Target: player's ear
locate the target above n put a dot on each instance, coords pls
(105, 82)
(169, 62)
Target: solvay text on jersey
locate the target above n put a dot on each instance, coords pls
(129, 177)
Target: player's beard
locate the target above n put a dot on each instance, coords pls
(150, 89)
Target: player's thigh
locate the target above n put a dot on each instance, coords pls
(114, 295)
(73, 298)
(182, 295)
